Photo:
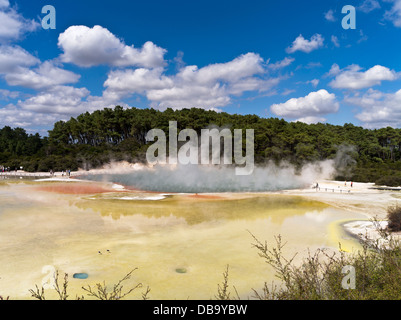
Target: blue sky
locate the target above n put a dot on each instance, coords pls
(285, 59)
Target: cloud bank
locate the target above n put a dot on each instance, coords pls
(208, 87)
(134, 71)
(308, 109)
(353, 78)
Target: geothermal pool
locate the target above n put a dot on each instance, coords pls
(194, 178)
(181, 243)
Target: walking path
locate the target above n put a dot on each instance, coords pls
(19, 174)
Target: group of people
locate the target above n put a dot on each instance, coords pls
(8, 169)
(345, 184)
(66, 173)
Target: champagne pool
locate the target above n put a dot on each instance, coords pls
(180, 243)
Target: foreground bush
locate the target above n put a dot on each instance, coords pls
(320, 277)
(394, 218)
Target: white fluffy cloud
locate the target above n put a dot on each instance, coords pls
(14, 57)
(88, 47)
(394, 14)
(66, 102)
(353, 77)
(311, 119)
(126, 82)
(304, 45)
(51, 105)
(16, 64)
(14, 116)
(378, 109)
(309, 108)
(13, 25)
(209, 87)
(241, 67)
(63, 102)
(46, 75)
(58, 99)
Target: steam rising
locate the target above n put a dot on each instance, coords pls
(213, 178)
(344, 160)
(199, 178)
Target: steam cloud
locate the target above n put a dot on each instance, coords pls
(212, 178)
(198, 178)
(344, 160)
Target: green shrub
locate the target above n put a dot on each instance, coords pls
(391, 181)
(394, 218)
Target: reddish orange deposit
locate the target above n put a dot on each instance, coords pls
(75, 188)
(205, 196)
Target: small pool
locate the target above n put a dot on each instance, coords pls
(80, 275)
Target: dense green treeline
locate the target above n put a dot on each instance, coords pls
(18, 148)
(93, 139)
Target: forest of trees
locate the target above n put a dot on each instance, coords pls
(93, 139)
